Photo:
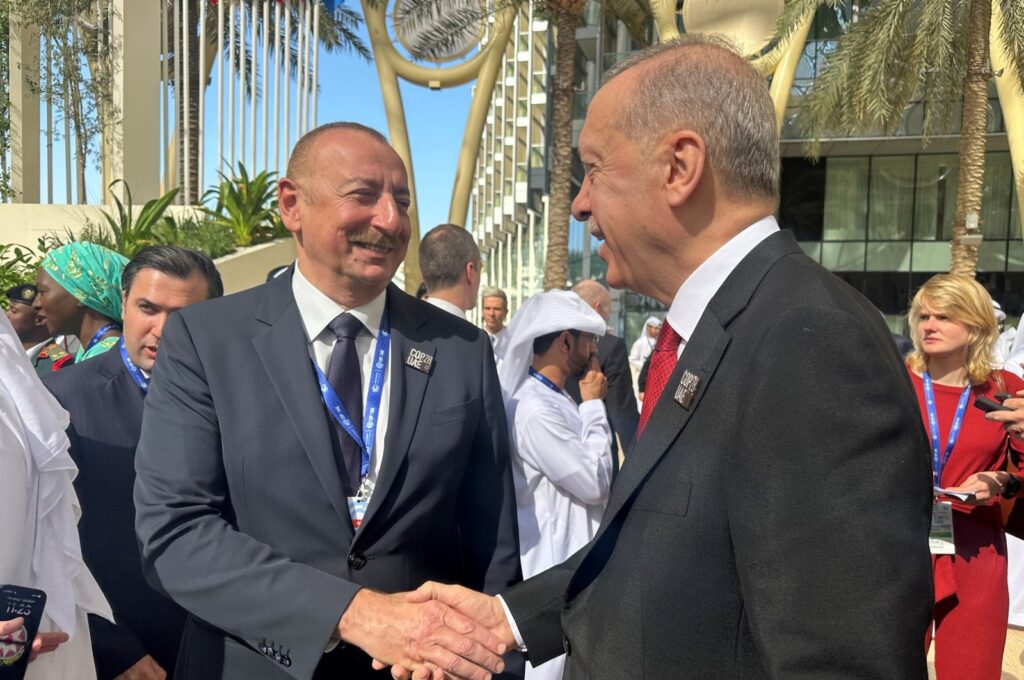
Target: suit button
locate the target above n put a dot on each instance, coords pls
(566, 645)
(357, 560)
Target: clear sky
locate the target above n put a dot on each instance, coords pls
(349, 90)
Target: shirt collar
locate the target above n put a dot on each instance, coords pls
(317, 310)
(447, 306)
(36, 349)
(693, 296)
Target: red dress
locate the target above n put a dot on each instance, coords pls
(971, 595)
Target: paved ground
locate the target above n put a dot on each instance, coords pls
(1013, 656)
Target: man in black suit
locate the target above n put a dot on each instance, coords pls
(612, 357)
(104, 396)
(772, 519)
(280, 525)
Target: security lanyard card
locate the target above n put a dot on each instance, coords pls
(15, 648)
(940, 538)
(357, 509)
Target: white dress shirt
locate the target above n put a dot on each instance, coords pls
(562, 475)
(498, 341)
(317, 311)
(693, 297)
(35, 349)
(446, 306)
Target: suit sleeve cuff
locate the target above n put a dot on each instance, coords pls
(512, 624)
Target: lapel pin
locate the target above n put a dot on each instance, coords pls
(419, 360)
(687, 390)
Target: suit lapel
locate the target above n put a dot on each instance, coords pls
(283, 349)
(406, 399)
(701, 356)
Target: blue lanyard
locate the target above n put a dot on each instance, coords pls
(545, 381)
(98, 335)
(373, 397)
(140, 379)
(933, 425)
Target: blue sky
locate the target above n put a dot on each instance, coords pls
(349, 90)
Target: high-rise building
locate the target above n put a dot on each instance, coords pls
(876, 209)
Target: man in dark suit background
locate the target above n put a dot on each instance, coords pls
(612, 357)
(772, 519)
(252, 496)
(104, 397)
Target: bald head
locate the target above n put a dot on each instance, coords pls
(595, 295)
(699, 82)
(302, 163)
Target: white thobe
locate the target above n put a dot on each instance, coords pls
(562, 474)
(641, 349)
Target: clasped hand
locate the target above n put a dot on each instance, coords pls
(434, 632)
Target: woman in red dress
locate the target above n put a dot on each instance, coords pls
(954, 331)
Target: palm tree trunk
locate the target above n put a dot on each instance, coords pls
(970, 185)
(190, 73)
(566, 17)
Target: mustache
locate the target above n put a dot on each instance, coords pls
(593, 227)
(373, 238)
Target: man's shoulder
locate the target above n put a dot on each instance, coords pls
(71, 381)
(439, 322)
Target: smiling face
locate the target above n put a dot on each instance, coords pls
(154, 295)
(56, 307)
(349, 212)
(940, 334)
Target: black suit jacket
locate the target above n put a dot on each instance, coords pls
(619, 402)
(106, 414)
(773, 523)
(241, 510)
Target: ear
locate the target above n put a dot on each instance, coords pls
(470, 269)
(288, 200)
(685, 154)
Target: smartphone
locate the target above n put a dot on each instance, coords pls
(988, 405)
(15, 648)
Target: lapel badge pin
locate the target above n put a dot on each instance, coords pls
(687, 390)
(419, 360)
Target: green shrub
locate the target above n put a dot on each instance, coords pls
(247, 206)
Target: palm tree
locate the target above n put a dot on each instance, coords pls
(448, 24)
(338, 30)
(901, 51)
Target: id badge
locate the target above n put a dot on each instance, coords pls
(357, 509)
(940, 538)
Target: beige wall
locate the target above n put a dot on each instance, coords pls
(249, 267)
(24, 223)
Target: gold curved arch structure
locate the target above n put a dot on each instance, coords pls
(392, 65)
(1011, 101)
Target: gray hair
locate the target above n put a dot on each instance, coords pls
(444, 252)
(491, 291)
(700, 82)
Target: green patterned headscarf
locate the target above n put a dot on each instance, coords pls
(91, 273)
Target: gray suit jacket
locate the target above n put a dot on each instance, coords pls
(771, 524)
(240, 508)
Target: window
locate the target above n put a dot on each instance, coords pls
(846, 198)
(892, 198)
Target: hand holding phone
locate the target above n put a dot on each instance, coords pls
(24, 605)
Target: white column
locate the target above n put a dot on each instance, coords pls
(24, 111)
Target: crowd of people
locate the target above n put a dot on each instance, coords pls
(325, 477)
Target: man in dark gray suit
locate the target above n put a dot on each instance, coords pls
(772, 519)
(104, 397)
(322, 440)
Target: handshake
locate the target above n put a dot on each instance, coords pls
(435, 632)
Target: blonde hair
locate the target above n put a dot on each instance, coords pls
(965, 301)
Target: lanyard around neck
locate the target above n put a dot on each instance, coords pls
(939, 461)
(134, 371)
(545, 381)
(98, 335)
(373, 398)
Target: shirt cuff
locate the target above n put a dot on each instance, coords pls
(512, 624)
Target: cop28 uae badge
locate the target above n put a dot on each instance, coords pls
(419, 360)
(687, 390)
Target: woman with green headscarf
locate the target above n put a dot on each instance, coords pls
(80, 294)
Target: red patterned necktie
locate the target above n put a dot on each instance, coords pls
(663, 361)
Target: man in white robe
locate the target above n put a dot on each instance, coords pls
(560, 459)
(39, 545)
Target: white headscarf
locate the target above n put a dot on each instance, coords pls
(551, 312)
(39, 424)
(653, 321)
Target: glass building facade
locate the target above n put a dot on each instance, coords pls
(876, 209)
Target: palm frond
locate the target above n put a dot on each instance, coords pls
(632, 13)
(440, 26)
(1012, 35)
(946, 62)
(792, 16)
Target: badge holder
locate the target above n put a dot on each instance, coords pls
(940, 537)
(357, 504)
